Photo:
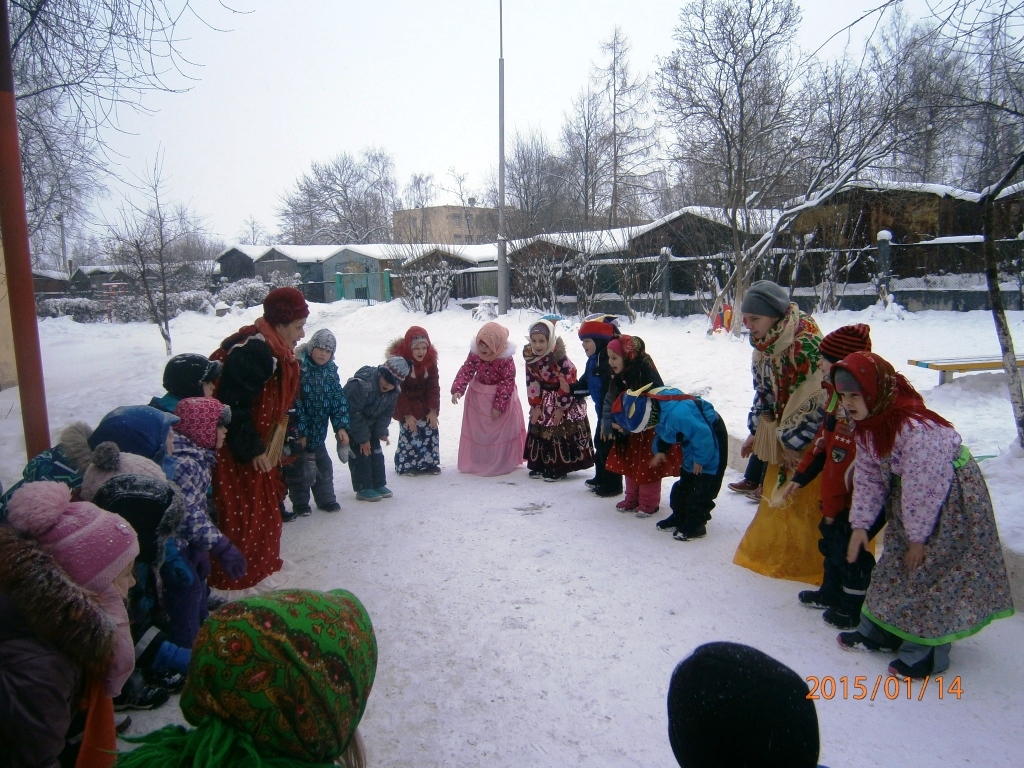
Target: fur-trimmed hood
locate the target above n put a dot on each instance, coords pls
(402, 347)
(51, 606)
(557, 354)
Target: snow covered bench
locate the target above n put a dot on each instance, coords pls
(947, 366)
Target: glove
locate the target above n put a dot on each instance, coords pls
(172, 658)
(175, 570)
(202, 564)
(231, 559)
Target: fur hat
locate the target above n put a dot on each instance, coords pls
(108, 461)
(395, 369)
(184, 375)
(845, 341)
(765, 298)
(91, 545)
(323, 339)
(730, 705)
(151, 506)
(137, 429)
(199, 419)
(284, 305)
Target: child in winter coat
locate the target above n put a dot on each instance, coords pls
(493, 432)
(321, 402)
(197, 437)
(844, 585)
(188, 375)
(595, 333)
(691, 422)
(558, 441)
(419, 448)
(632, 368)
(941, 576)
(372, 394)
(65, 570)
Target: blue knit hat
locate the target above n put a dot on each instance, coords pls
(137, 429)
(395, 369)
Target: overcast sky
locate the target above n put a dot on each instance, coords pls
(290, 83)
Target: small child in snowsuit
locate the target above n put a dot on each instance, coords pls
(632, 368)
(595, 333)
(844, 585)
(188, 375)
(941, 576)
(321, 402)
(196, 439)
(493, 433)
(419, 448)
(558, 441)
(65, 463)
(692, 423)
(372, 394)
(65, 569)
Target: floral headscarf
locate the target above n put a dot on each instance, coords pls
(791, 349)
(276, 679)
(891, 399)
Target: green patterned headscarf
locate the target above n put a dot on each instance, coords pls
(277, 679)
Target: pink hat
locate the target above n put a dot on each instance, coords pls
(91, 545)
(108, 461)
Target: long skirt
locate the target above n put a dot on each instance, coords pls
(960, 587)
(782, 541)
(631, 458)
(562, 448)
(490, 447)
(417, 451)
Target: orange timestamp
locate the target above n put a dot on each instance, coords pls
(888, 686)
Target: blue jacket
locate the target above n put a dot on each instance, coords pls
(594, 382)
(688, 422)
(370, 410)
(320, 399)
(52, 464)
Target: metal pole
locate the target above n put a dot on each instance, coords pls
(504, 298)
(14, 234)
(63, 245)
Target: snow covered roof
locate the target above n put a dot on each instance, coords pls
(940, 190)
(481, 253)
(1013, 189)
(252, 251)
(759, 220)
(100, 269)
(379, 251)
(304, 254)
(594, 242)
(52, 274)
(953, 239)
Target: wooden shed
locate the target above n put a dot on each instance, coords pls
(239, 261)
(50, 283)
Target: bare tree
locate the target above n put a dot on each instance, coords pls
(155, 243)
(535, 187)
(346, 200)
(420, 191)
(254, 233)
(585, 157)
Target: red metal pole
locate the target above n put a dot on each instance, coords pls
(14, 235)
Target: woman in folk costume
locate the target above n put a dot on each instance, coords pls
(277, 680)
(259, 382)
(419, 447)
(789, 404)
(559, 436)
(941, 576)
(493, 430)
(633, 369)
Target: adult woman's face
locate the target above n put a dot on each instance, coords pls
(758, 325)
(292, 332)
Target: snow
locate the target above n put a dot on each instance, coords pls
(304, 254)
(254, 252)
(529, 623)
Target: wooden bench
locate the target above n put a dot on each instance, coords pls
(950, 365)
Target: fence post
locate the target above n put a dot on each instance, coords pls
(884, 238)
(666, 281)
(387, 285)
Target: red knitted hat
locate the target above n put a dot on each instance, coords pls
(284, 305)
(845, 341)
(200, 417)
(595, 329)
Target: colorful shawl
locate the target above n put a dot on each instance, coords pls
(791, 350)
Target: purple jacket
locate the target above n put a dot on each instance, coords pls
(193, 467)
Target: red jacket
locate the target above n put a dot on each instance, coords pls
(831, 456)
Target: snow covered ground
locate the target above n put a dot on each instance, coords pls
(529, 623)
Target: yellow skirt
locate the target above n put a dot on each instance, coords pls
(782, 541)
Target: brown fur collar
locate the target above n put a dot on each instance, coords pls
(57, 610)
(400, 348)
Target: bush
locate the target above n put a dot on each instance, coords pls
(247, 292)
(190, 301)
(81, 310)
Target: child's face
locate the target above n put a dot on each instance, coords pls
(590, 347)
(419, 351)
(482, 349)
(538, 343)
(169, 442)
(207, 389)
(758, 325)
(125, 580)
(319, 356)
(385, 385)
(615, 362)
(854, 405)
(222, 433)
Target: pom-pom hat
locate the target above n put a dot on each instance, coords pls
(91, 545)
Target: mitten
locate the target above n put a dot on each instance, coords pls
(172, 658)
(175, 570)
(343, 452)
(231, 559)
(202, 564)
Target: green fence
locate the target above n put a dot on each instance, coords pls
(371, 287)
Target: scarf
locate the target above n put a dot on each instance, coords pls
(891, 400)
(279, 679)
(791, 350)
(495, 336)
